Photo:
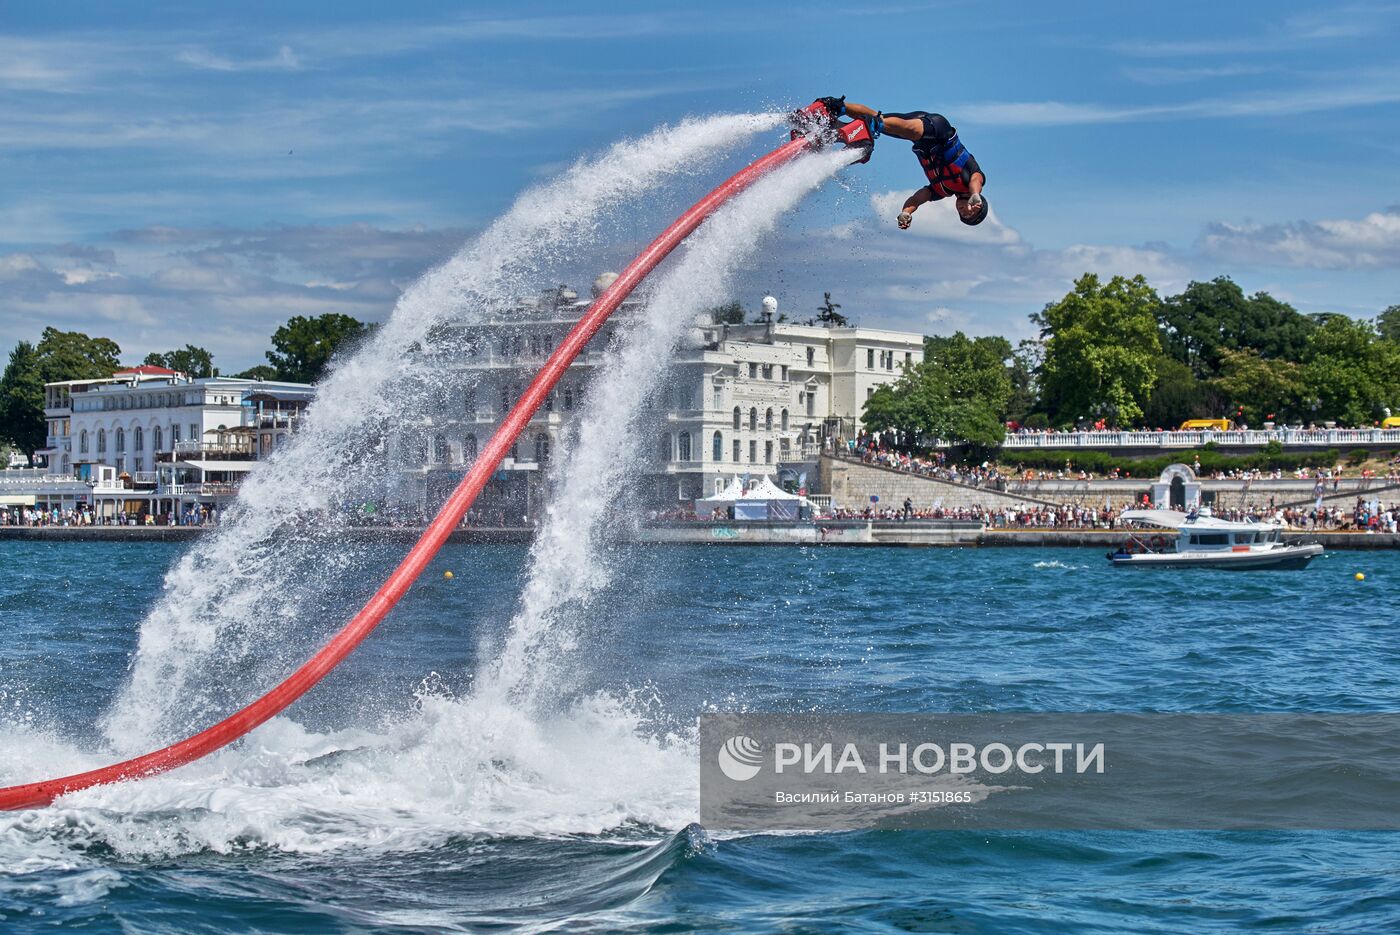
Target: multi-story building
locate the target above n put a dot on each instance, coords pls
(746, 399)
(148, 439)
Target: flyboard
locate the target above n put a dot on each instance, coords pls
(814, 127)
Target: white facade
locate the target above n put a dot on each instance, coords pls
(741, 399)
(149, 438)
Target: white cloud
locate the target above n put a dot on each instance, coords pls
(940, 221)
(1371, 242)
(284, 59)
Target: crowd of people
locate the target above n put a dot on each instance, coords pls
(194, 515)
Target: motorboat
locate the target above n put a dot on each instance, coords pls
(1162, 538)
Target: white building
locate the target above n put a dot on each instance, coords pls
(741, 399)
(149, 439)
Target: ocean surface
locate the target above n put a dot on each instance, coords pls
(398, 798)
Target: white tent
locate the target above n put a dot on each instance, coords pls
(765, 500)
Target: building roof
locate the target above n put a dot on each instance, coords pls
(147, 370)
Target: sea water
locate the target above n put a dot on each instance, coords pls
(382, 802)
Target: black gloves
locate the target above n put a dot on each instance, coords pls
(836, 106)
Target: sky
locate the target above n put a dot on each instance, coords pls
(198, 173)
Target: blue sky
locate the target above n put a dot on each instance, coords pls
(191, 172)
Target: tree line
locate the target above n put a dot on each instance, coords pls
(1118, 354)
(302, 349)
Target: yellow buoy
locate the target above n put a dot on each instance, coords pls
(447, 574)
(1360, 576)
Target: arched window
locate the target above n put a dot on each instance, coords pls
(138, 439)
(683, 443)
(717, 448)
(738, 419)
(442, 452)
(469, 448)
(120, 439)
(155, 439)
(101, 441)
(768, 419)
(785, 420)
(542, 448)
(82, 442)
(753, 419)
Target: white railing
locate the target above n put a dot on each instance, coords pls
(32, 477)
(1258, 437)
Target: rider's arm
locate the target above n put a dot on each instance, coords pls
(901, 127)
(911, 204)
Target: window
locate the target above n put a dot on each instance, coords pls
(469, 401)
(101, 441)
(120, 439)
(811, 356)
(784, 373)
(785, 448)
(908, 358)
(155, 439)
(870, 358)
(140, 464)
(82, 442)
(542, 448)
(753, 419)
(469, 448)
(767, 371)
(753, 371)
(889, 360)
(442, 452)
(194, 432)
(811, 404)
(717, 448)
(548, 403)
(768, 419)
(719, 397)
(505, 398)
(738, 419)
(869, 392)
(785, 420)
(767, 452)
(568, 399)
(174, 434)
(666, 447)
(684, 446)
(753, 451)
(138, 440)
(737, 451)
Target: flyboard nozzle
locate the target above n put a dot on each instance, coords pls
(821, 127)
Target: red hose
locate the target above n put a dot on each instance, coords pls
(34, 794)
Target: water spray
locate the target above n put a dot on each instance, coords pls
(814, 127)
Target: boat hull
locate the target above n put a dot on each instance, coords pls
(1286, 557)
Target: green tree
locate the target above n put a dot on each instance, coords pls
(828, 315)
(302, 348)
(59, 355)
(1388, 324)
(1101, 349)
(731, 313)
(194, 361)
(258, 372)
(1209, 318)
(958, 392)
(22, 400)
(1177, 395)
(1349, 372)
(1260, 389)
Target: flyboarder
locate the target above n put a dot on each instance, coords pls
(952, 171)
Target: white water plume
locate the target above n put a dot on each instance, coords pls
(567, 567)
(241, 598)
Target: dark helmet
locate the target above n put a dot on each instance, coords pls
(977, 218)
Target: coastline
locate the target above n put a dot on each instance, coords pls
(912, 534)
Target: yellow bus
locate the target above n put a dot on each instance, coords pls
(1196, 425)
